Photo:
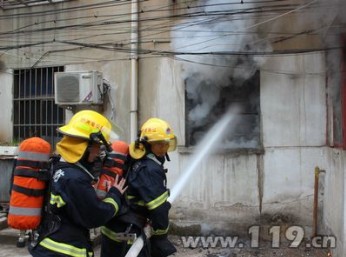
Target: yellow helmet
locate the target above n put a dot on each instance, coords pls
(85, 123)
(153, 130)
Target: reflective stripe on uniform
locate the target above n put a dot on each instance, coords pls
(158, 201)
(110, 234)
(117, 237)
(160, 232)
(112, 202)
(140, 203)
(23, 211)
(43, 157)
(129, 197)
(57, 199)
(64, 248)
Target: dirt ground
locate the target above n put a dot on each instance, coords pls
(8, 248)
(8, 239)
(264, 250)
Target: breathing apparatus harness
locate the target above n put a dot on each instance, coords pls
(51, 221)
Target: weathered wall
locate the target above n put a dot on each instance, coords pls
(6, 81)
(293, 110)
(117, 103)
(333, 213)
(238, 187)
(229, 191)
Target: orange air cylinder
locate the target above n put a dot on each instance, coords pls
(113, 165)
(30, 180)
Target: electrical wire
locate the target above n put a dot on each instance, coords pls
(85, 25)
(184, 15)
(166, 25)
(55, 11)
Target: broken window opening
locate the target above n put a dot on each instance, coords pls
(206, 102)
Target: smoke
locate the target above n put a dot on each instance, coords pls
(216, 34)
(213, 49)
(224, 28)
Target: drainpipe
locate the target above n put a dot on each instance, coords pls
(315, 208)
(134, 71)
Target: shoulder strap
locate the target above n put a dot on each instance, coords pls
(85, 170)
(61, 165)
(28, 191)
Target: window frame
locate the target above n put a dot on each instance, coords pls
(188, 147)
(34, 110)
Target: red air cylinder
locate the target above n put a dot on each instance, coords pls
(114, 164)
(30, 180)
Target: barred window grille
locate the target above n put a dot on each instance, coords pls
(34, 110)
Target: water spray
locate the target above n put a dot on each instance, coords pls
(206, 146)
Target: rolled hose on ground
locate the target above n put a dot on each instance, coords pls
(139, 243)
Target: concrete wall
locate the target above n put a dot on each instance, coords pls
(117, 104)
(293, 110)
(6, 82)
(229, 191)
(240, 188)
(333, 213)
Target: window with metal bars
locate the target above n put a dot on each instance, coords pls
(34, 110)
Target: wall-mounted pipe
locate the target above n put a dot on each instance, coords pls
(134, 71)
(315, 208)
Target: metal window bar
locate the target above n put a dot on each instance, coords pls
(35, 112)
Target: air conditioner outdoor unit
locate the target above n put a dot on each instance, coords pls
(78, 88)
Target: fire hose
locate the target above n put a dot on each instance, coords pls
(139, 243)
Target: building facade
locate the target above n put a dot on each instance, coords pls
(280, 64)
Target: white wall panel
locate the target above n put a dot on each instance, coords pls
(293, 101)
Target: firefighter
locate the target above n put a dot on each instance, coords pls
(74, 207)
(146, 195)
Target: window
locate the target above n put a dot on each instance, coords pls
(206, 103)
(35, 113)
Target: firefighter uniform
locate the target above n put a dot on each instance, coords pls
(74, 206)
(76, 209)
(147, 202)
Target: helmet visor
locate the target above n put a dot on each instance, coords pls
(172, 144)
